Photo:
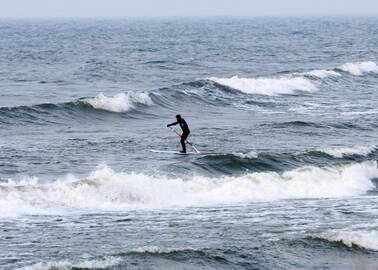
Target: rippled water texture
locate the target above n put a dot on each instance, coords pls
(283, 112)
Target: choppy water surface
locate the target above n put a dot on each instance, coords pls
(284, 112)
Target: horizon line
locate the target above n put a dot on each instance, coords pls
(368, 15)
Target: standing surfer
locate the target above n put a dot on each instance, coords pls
(185, 131)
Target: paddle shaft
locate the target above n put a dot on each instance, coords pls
(178, 134)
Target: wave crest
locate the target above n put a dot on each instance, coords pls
(294, 81)
(66, 265)
(121, 102)
(359, 68)
(350, 151)
(362, 239)
(248, 155)
(159, 250)
(106, 190)
(321, 73)
(267, 86)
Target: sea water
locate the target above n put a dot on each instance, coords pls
(283, 110)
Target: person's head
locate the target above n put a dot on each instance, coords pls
(178, 117)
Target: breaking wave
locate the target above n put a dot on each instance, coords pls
(106, 190)
(52, 113)
(294, 81)
(267, 86)
(321, 73)
(350, 151)
(119, 103)
(211, 92)
(159, 250)
(359, 68)
(248, 155)
(104, 263)
(355, 68)
(357, 238)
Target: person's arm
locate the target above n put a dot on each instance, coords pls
(173, 124)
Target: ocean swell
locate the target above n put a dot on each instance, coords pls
(304, 81)
(53, 113)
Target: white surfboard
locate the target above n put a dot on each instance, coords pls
(172, 152)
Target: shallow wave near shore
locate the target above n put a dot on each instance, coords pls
(107, 190)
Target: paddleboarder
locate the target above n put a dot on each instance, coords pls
(185, 131)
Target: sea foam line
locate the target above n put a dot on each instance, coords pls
(106, 262)
(160, 250)
(106, 190)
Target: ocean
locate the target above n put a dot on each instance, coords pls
(284, 112)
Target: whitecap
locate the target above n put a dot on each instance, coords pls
(106, 190)
(250, 154)
(158, 250)
(349, 151)
(321, 73)
(106, 262)
(361, 238)
(359, 68)
(121, 102)
(267, 86)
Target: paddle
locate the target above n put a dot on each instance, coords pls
(178, 134)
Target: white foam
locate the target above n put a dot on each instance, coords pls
(363, 239)
(158, 250)
(106, 190)
(66, 265)
(293, 82)
(321, 73)
(12, 205)
(359, 68)
(121, 102)
(267, 86)
(24, 181)
(348, 151)
(250, 154)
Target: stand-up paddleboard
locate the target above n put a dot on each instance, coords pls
(172, 152)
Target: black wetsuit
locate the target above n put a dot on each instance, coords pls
(185, 132)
